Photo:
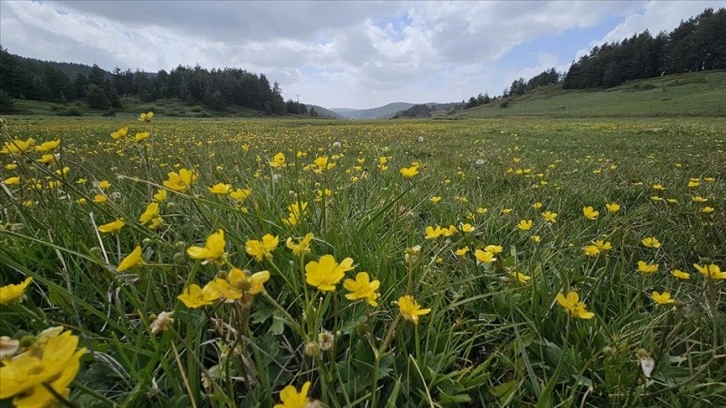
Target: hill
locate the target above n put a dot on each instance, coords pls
(691, 94)
(381, 112)
(325, 112)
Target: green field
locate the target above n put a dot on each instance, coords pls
(692, 94)
(491, 331)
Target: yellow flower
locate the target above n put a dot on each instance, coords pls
(590, 213)
(100, 198)
(680, 274)
(220, 189)
(550, 216)
(707, 210)
(447, 232)
(409, 172)
(535, 238)
(591, 250)
(278, 160)
(711, 271)
(240, 194)
(693, 184)
(146, 117)
(362, 288)
(647, 268)
(53, 362)
(17, 146)
(194, 297)
(525, 225)
(119, 133)
(651, 242)
(520, 277)
(572, 304)
(537, 205)
(180, 181)
(10, 181)
(410, 309)
(11, 293)
(326, 273)
(262, 249)
(151, 212)
(213, 250)
(292, 399)
(113, 226)
(11, 166)
(246, 283)
(141, 136)
(302, 247)
(131, 260)
(698, 199)
(662, 298)
(506, 211)
(296, 211)
(484, 256)
(48, 146)
(495, 249)
(435, 199)
(160, 196)
(612, 207)
(466, 228)
(223, 289)
(433, 232)
(658, 187)
(47, 158)
(462, 251)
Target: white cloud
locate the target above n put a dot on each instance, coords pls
(357, 54)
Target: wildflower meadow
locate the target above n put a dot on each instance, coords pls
(150, 261)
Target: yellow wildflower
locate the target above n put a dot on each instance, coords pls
(263, 248)
(146, 117)
(711, 271)
(651, 242)
(647, 268)
(195, 297)
(680, 274)
(612, 207)
(246, 282)
(525, 225)
(590, 213)
(292, 399)
(240, 194)
(213, 250)
(409, 172)
(410, 309)
(325, 273)
(220, 189)
(520, 277)
(362, 288)
(572, 304)
(141, 136)
(278, 160)
(113, 226)
(131, 260)
(302, 247)
(151, 212)
(11, 293)
(662, 298)
(550, 216)
(484, 256)
(180, 181)
(48, 146)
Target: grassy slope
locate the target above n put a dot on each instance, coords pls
(691, 94)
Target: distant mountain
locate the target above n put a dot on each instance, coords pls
(381, 112)
(325, 112)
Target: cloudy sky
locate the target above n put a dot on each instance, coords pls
(338, 54)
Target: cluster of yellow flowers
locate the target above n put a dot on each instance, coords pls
(35, 374)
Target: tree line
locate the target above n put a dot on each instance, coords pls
(697, 44)
(26, 78)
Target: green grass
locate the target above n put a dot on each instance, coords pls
(488, 339)
(693, 94)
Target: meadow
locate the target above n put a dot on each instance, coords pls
(154, 262)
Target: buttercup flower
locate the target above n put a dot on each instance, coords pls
(213, 250)
(146, 117)
(550, 216)
(651, 242)
(278, 160)
(612, 207)
(484, 256)
(113, 226)
(180, 181)
(195, 297)
(409, 172)
(574, 307)
(680, 274)
(263, 248)
(325, 273)
(248, 283)
(647, 268)
(13, 292)
(711, 271)
(302, 247)
(525, 225)
(662, 298)
(292, 399)
(590, 213)
(131, 260)
(410, 309)
(362, 288)
(220, 189)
